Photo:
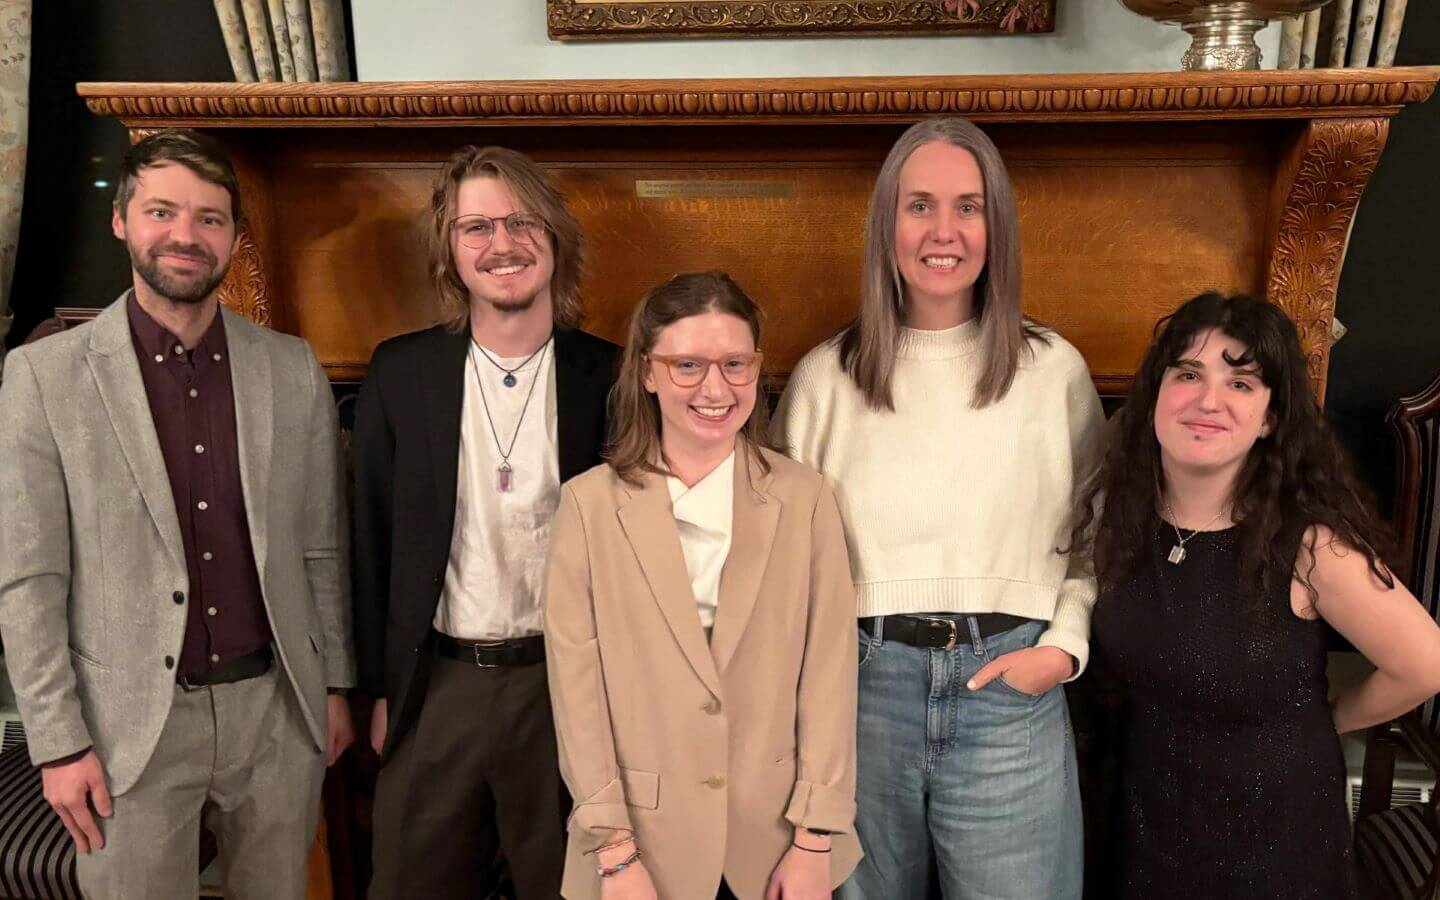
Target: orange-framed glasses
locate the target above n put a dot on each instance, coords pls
(738, 369)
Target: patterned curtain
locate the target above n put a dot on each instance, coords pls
(285, 40)
(14, 127)
(1362, 33)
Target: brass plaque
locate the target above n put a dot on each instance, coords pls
(699, 187)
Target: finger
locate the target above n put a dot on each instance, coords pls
(988, 673)
(100, 796)
(772, 890)
(81, 844)
(86, 823)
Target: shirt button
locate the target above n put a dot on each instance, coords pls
(712, 707)
(199, 448)
(194, 393)
(715, 781)
(179, 350)
(216, 357)
(169, 662)
(214, 657)
(202, 506)
(178, 596)
(212, 611)
(207, 556)
(159, 357)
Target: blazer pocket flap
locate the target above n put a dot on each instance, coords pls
(642, 789)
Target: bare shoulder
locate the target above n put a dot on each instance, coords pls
(1336, 571)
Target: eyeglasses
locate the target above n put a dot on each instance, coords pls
(739, 369)
(477, 231)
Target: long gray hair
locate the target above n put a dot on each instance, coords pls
(868, 346)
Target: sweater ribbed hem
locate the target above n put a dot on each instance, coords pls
(957, 595)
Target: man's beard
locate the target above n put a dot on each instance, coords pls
(510, 304)
(178, 288)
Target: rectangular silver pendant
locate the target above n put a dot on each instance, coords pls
(1177, 555)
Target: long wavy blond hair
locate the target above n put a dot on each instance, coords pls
(633, 447)
(868, 346)
(535, 194)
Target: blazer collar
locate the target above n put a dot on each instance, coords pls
(649, 525)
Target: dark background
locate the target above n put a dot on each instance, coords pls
(1389, 291)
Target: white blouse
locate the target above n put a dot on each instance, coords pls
(703, 515)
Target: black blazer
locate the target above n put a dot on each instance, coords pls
(406, 450)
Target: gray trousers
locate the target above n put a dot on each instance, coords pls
(237, 758)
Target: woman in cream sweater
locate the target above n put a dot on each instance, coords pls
(698, 626)
(955, 435)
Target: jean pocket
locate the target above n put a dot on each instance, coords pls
(867, 648)
(1013, 690)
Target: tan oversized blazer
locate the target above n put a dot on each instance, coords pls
(710, 753)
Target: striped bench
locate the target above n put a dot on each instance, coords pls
(37, 857)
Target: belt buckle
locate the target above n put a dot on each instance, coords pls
(954, 637)
(486, 645)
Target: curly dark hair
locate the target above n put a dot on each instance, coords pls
(1295, 477)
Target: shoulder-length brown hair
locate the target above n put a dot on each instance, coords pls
(868, 346)
(533, 191)
(634, 443)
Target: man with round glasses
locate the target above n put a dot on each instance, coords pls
(463, 434)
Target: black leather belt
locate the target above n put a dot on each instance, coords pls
(941, 633)
(251, 665)
(524, 651)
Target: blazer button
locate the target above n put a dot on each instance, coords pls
(715, 781)
(178, 597)
(712, 707)
(169, 662)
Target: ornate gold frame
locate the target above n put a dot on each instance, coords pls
(600, 19)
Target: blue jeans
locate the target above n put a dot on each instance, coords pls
(982, 783)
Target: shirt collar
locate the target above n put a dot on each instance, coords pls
(706, 504)
(155, 340)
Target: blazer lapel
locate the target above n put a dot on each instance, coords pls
(650, 528)
(117, 375)
(752, 536)
(444, 395)
(574, 392)
(251, 383)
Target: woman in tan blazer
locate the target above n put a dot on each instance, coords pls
(700, 631)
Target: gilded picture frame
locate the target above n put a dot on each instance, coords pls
(571, 20)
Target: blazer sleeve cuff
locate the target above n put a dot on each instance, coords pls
(48, 745)
(602, 813)
(821, 807)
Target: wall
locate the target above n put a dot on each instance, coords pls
(507, 39)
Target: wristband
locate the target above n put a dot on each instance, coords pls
(612, 871)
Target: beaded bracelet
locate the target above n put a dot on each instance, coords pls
(612, 871)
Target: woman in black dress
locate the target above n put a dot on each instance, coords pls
(1227, 530)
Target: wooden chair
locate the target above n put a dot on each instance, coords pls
(1398, 847)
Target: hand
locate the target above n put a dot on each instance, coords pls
(1033, 670)
(377, 725)
(632, 884)
(70, 789)
(801, 874)
(341, 730)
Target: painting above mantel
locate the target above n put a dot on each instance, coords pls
(571, 20)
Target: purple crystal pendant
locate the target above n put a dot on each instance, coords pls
(504, 478)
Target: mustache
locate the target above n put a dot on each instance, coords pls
(509, 259)
(193, 251)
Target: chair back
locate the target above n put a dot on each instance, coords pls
(1416, 422)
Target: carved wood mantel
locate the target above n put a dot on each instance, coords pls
(1136, 190)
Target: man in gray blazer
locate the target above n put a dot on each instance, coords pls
(173, 602)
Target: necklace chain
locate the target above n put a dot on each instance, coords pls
(1177, 553)
(509, 373)
(505, 469)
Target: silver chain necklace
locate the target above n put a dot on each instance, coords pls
(1177, 552)
(504, 480)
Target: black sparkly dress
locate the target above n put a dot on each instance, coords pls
(1230, 780)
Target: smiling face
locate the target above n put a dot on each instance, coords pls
(1210, 409)
(510, 275)
(700, 422)
(940, 236)
(179, 232)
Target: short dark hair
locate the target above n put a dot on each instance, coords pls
(191, 149)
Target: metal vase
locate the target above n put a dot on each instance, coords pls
(1222, 31)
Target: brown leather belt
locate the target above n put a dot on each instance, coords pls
(251, 665)
(941, 632)
(525, 651)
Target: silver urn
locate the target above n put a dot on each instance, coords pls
(1222, 31)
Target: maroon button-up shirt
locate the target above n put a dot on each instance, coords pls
(193, 404)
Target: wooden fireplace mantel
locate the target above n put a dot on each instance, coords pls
(1136, 190)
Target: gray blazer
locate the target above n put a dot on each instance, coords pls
(90, 548)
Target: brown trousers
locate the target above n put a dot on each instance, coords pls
(477, 776)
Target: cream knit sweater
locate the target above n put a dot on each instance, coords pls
(949, 508)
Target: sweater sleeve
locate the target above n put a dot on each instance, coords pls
(1070, 625)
